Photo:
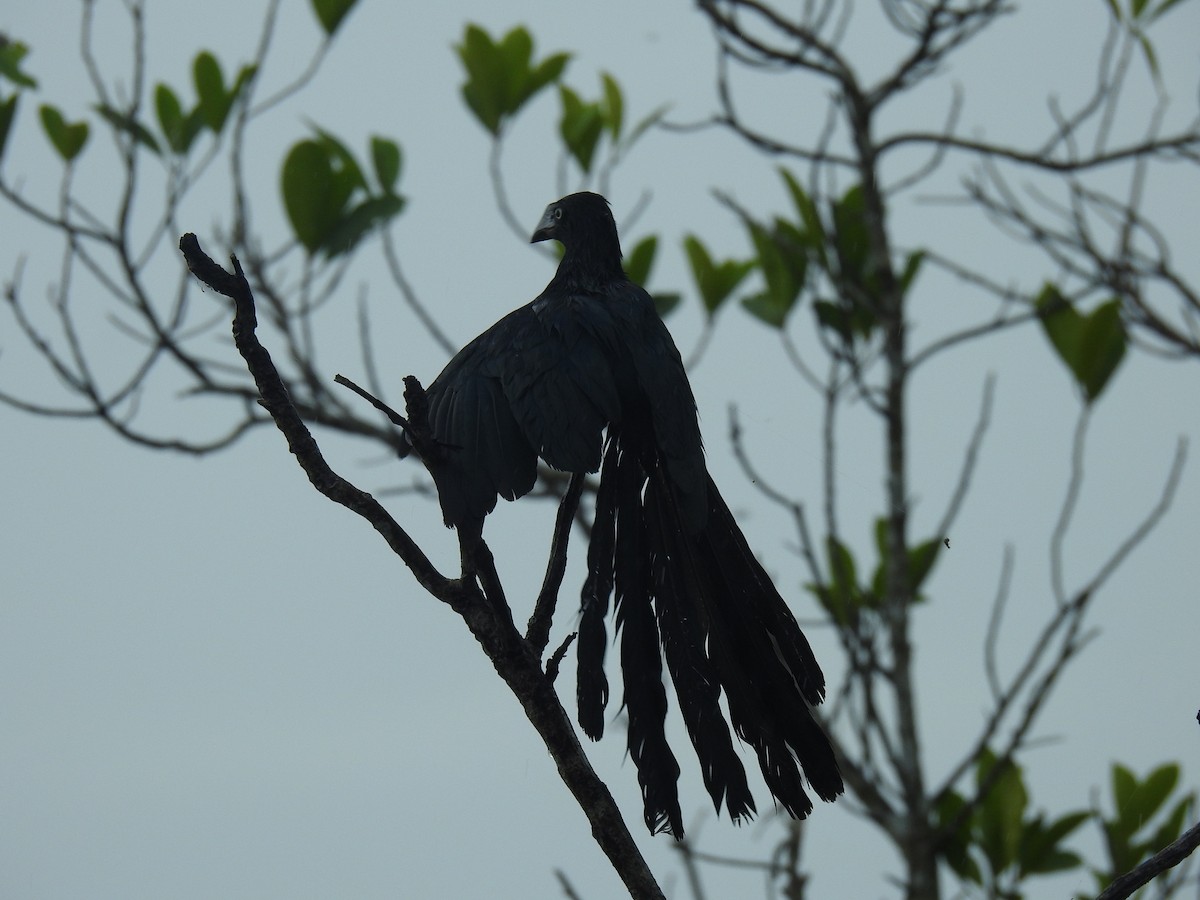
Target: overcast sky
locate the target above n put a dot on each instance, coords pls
(215, 683)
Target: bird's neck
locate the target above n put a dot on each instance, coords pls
(586, 269)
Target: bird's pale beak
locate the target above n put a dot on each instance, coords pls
(545, 228)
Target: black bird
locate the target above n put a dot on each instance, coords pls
(588, 378)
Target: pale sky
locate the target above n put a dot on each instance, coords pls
(215, 683)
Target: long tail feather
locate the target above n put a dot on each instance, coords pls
(641, 659)
(767, 667)
(696, 684)
(761, 658)
(697, 592)
(591, 684)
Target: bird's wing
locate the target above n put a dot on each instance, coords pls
(485, 451)
(537, 383)
(558, 379)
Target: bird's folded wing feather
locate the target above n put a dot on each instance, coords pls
(537, 383)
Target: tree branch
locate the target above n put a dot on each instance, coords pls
(1166, 858)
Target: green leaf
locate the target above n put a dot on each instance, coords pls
(1137, 803)
(581, 126)
(352, 227)
(340, 154)
(1000, 813)
(646, 123)
(842, 571)
(850, 236)
(245, 75)
(192, 126)
(68, 138)
(664, 303)
(832, 317)
(955, 849)
(8, 109)
(640, 260)
(1170, 830)
(1092, 346)
(482, 91)
(214, 100)
(805, 208)
(1040, 852)
(331, 12)
(385, 156)
(1057, 860)
(1066, 825)
(547, 71)
(132, 127)
(827, 602)
(764, 308)
(702, 270)
(11, 55)
(813, 232)
(1103, 347)
(516, 54)
(1124, 787)
(714, 281)
(170, 118)
(347, 174)
(1060, 322)
(309, 193)
(921, 559)
(613, 106)
(500, 76)
(210, 89)
(912, 266)
(783, 262)
(841, 597)
(1154, 791)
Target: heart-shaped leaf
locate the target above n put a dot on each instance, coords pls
(1092, 346)
(68, 138)
(715, 281)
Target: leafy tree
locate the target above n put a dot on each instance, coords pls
(829, 243)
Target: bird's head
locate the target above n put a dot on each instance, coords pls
(584, 225)
(577, 216)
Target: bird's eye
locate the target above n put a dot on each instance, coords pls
(558, 212)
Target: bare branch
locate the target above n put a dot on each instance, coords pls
(1167, 858)
(969, 459)
(1181, 147)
